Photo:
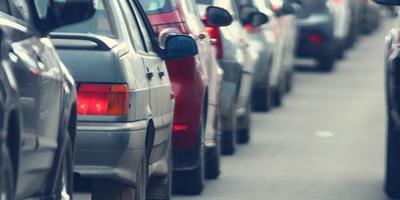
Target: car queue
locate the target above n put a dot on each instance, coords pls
(140, 98)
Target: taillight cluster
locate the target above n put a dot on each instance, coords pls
(181, 27)
(215, 35)
(103, 99)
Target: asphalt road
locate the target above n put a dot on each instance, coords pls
(326, 143)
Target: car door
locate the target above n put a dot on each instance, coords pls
(38, 97)
(157, 75)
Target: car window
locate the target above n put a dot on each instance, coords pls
(99, 24)
(158, 6)
(41, 7)
(142, 24)
(4, 6)
(134, 29)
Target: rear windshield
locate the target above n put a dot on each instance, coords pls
(99, 24)
(158, 6)
(206, 2)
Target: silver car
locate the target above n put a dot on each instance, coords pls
(238, 60)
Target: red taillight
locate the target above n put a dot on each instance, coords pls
(215, 35)
(180, 127)
(100, 99)
(315, 38)
(250, 28)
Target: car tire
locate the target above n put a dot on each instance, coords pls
(6, 176)
(289, 82)
(262, 99)
(191, 182)
(160, 188)
(278, 96)
(326, 64)
(213, 163)
(392, 179)
(228, 137)
(244, 134)
(113, 190)
(64, 188)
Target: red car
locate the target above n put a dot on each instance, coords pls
(196, 85)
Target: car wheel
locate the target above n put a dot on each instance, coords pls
(262, 100)
(191, 182)
(289, 82)
(160, 188)
(7, 180)
(244, 133)
(113, 190)
(326, 64)
(213, 163)
(228, 139)
(392, 181)
(278, 96)
(64, 189)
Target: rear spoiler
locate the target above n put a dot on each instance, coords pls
(82, 41)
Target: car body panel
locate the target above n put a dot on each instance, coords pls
(43, 95)
(127, 57)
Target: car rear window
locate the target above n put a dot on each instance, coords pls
(158, 6)
(99, 24)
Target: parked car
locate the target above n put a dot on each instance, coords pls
(268, 89)
(125, 102)
(282, 26)
(369, 17)
(38, 100)
(392, 67)
(316, 33)
(238, 59)
(195, 82)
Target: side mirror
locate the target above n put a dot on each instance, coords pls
(179, 46)
(257, 19)
(388, 2)
(216, 16)
(65, 12)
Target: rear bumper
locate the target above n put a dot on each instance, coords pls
(321, 25)
(110, 150)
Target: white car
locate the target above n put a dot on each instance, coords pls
(238, 59)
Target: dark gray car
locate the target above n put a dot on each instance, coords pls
(125, 104)
(37, 100)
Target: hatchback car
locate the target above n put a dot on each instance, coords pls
(196, 84)
(125, 102)
(316, 33)
(392, 72)
(37, 100)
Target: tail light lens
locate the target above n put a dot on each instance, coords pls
(180, 127)
(251, 29)
(315, 38)
(101, 99)
(215, 35)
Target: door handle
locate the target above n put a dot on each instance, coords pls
(150, 75)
